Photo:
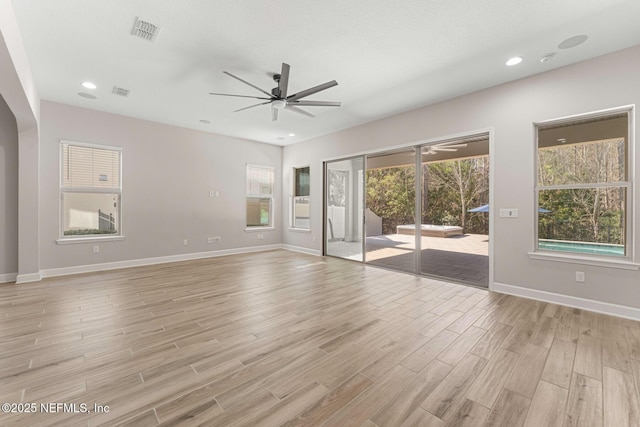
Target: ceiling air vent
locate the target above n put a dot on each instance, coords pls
(145, 30)
(120, 91)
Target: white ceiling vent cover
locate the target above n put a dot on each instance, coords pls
(145, 30)
(120, 91)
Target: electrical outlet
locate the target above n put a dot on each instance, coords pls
(217, 239)
(209, 240)
(580, 276)
(260, 236)
(211, 193)
(313, 239)
(185, 242)
(96, 249)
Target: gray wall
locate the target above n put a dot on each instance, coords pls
(8, 191)
(510, 109)
(167, 174)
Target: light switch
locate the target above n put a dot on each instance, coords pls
(509, 213)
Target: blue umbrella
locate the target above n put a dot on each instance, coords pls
(485, 208)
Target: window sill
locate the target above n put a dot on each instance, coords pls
(258, 229)
(622, 264)
(300, 230)
(75, 240)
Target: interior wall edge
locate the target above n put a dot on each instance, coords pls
(616, 310)
(142, 262)
(302, 250)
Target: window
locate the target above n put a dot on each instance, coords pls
(90, 190)
(300, 212)
(259, 196)
(584, 186)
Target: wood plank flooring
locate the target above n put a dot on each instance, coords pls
(280, 338)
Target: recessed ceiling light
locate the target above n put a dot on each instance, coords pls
(514, 61)
(205, 121)
(87, 95)
(548, 57)
(89, 85)
(280, 138)
(292, 134)
(573, 42)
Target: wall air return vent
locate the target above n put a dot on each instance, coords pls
(145, 30)
(120, 91)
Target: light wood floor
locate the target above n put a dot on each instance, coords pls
(279, 338)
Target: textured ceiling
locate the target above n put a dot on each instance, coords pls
(388, 56)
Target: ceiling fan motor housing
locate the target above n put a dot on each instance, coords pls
(276, 90)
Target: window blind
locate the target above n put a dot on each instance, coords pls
(90, 167)
(259, 181)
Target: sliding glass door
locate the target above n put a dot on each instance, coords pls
(455, 210)
(344, 208)
(391, 209)
(421, 209)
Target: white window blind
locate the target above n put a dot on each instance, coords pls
(85, 167)
(259, 181)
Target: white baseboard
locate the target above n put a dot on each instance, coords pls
(26, 278)
(568, 300)
(302, 250)
(53, 272)
(8, 277)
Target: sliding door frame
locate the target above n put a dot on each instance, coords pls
(418, 145)
(325, 199)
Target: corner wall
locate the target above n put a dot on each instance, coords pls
(8, 194)
(510, 110)
(167, 175)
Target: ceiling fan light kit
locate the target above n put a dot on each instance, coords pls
(279, 98)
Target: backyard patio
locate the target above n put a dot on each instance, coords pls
(464, 258)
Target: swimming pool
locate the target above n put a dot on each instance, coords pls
(581, 247)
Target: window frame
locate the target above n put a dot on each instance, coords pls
(248, 195)
(87, 238)
(294, 197)
(629, 260)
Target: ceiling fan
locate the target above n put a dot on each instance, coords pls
(435, 149)
(279, 98)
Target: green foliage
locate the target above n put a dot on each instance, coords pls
(584, 214)
(453, 187)
(593, 214)
(391, 195)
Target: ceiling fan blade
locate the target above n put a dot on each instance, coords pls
(451, 145)
(312, 90)
(247, 83)
(274, 114)
(315, 103)
(283, 84)
(239, 96)
(299, 111)
(251, 106)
